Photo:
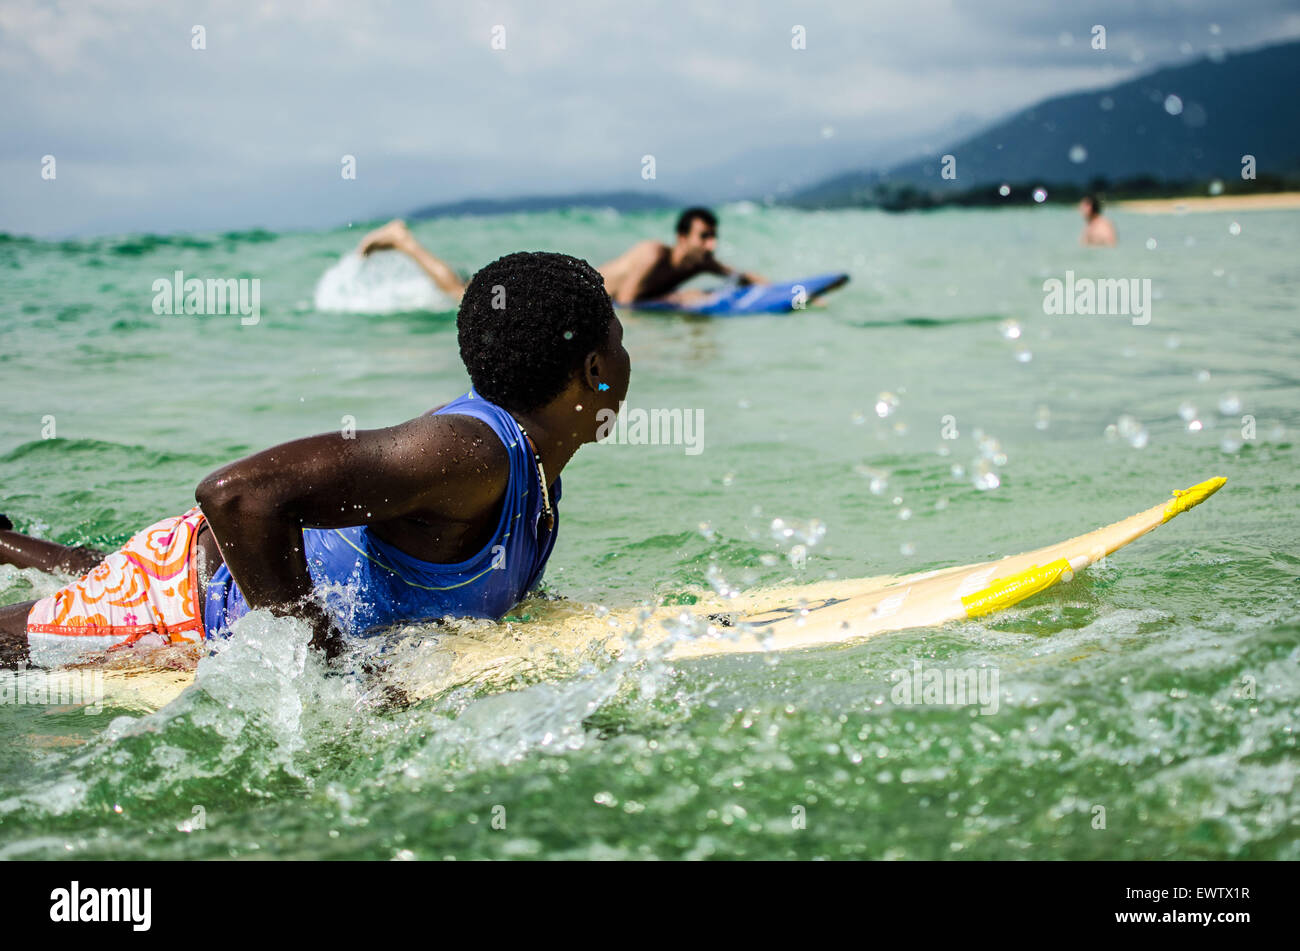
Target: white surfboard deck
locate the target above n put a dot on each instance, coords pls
(781, 619)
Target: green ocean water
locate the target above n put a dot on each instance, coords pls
(1161, 688)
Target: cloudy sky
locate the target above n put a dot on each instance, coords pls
(150, 134)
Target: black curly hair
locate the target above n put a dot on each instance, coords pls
(526, 323)
(688, 216)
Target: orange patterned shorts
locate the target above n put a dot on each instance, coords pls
(149, 586)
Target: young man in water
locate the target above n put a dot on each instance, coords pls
(1097, 230)
(452, 513)
(651, 269)
(648, 270)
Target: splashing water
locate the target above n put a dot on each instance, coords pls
(385, 282)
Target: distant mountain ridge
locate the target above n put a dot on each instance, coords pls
(618, 200)
(1239, 104)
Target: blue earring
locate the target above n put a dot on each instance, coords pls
(602, 387)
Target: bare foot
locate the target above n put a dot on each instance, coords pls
(394, 235)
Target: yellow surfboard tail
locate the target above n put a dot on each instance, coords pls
(1015, 588)
(1185, 499)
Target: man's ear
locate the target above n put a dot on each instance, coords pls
(591, 371)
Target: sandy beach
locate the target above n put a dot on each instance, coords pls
(1175, 206)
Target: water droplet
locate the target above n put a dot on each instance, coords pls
(1216, 187)
(990, 449)
(808, 533)
(1173, 105)
(984, 476)
(1132, 432)
(1187, 410)
(1230, 444)
(1234, 229)
(1004, 190)
(1042, 417)
(907, 549)
(1078, 154)
(1040, 195)
(1229, 404)
(877, 479)
(1202, 376)
(719, 584)
(886, 404)
(1151, 244)
(1010, 329)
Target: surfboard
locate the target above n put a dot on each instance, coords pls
(742, 300)
(779, 619)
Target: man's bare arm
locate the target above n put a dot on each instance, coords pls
(746, 277)
(258, 506)
(397, 237)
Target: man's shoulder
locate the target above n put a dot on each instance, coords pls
(641, 254)
(464, 455)
(455, 442)
(650, 249)
(472, 434)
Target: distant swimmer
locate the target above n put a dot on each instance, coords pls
(395, 236)
(649, 269)
(1097, 229)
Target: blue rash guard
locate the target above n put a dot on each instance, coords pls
(369, 584)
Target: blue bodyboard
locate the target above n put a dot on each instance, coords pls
(742, 300)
